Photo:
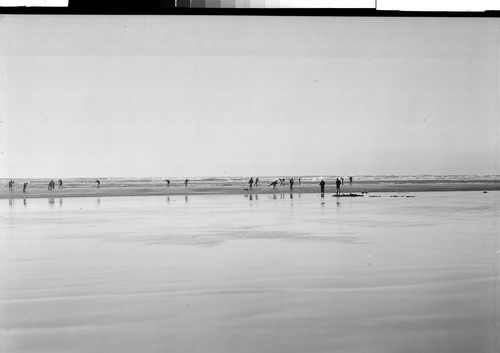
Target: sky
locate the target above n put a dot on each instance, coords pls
(180, 96)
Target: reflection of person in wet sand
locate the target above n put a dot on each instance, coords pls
(322, 185)
(98, 183)
(338, 182)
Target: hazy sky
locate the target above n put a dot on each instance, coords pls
(97, 96)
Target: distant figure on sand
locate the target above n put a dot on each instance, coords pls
(338, 182)
(11, 184)
(274, 183)
(52, 184)
(291, 183)
(342, 180)
(24, 187)
(168, 182)
(250, 183)
(299, 180)
(256, 181)
(60, 184)
(322, 185)
(98, 183)
(186, 183)
(350, 180)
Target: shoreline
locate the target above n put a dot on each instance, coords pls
(359, 188)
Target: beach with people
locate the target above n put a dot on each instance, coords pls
(216, 268)
(241, 185)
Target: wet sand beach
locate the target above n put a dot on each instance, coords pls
(194, 189)
(251, 273)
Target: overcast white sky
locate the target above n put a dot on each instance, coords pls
(199, 96)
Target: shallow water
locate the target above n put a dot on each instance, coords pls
(239, 273)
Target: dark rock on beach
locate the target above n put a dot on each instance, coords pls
(348, 195)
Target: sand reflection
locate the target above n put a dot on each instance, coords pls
(225, 274)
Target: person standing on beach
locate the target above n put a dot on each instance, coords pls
(250, 183)
(11, 184)
(256, 181)
(338, 182)
(168, 182)
(342, 180)
(299, 180)
(98, 183)
(24, 187)
(291, 183)
(186, 183)
(350, 180)
(60, 184)
(322, 185)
